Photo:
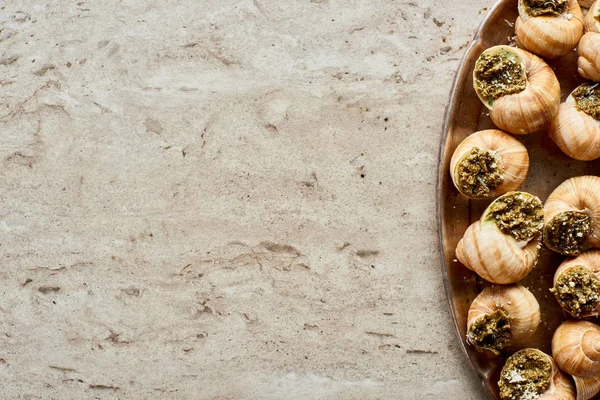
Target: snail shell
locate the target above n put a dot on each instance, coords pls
(533, 94)
(533, 373)
(572, 216)
(576, 132)
(494, 162)
(587, 387)
(549, 36)
(591, 23)
(576, 348)
(500, 316)
(577, 285)
(588, 62)
(502, 247)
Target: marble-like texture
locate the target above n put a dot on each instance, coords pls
(225, 199)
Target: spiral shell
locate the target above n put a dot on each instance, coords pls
(496, 257)
(591, 23)
(587, 387)
(510, 164)
(561, 387)
(577, 284)
(513, 306)
(496, 253)
(549, 36)
(588, 61)
(533, 107)
(575, 132)
(572, 216)
(576, 348)
(531, 373)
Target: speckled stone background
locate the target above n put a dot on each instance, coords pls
(226, 199)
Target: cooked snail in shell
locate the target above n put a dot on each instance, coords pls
(520, 90)
(549, 28)
(588, 49)
(532, 374)
(576, 350)
(576, 126)
(489, 163)
(591, 20)
(577, 285)
(501, 316)
(572, 216)
(502, 247)
(588, 52)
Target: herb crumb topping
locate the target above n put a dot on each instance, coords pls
(525, 376)
(490, 332)
(578, 291)
(568, 232)
(587, 99)
(545, 8)
(498, 75)
(517, 214)
(479, 172)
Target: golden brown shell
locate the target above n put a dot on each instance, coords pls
(590, 22)
(495, 256)
(587, 387)
(533, 108)
(576, 133)
(576, 348)
(549, 36)
(513, 155)
(588, 61)
(561, 387)
(516, 301)
(580, 194)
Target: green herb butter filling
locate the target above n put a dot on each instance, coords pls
(587, 99)
(546, 8)
(568, 232)
(517, 214)
(479, 172)
(577, 291)
(526, 376)
(498, 75)
(490, 332)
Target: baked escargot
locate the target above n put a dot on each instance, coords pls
(489, 163)
(588, 49)
(591, 21)
(572, 216)
(577, 285)
(501, 316)
(576, 126)
(576, 350)
(588, 52)
(533, 374)
(502, 247)
(549, 28)
(520, 90)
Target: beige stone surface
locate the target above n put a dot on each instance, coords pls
(226, 199)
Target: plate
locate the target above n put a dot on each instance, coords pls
(549, 167)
